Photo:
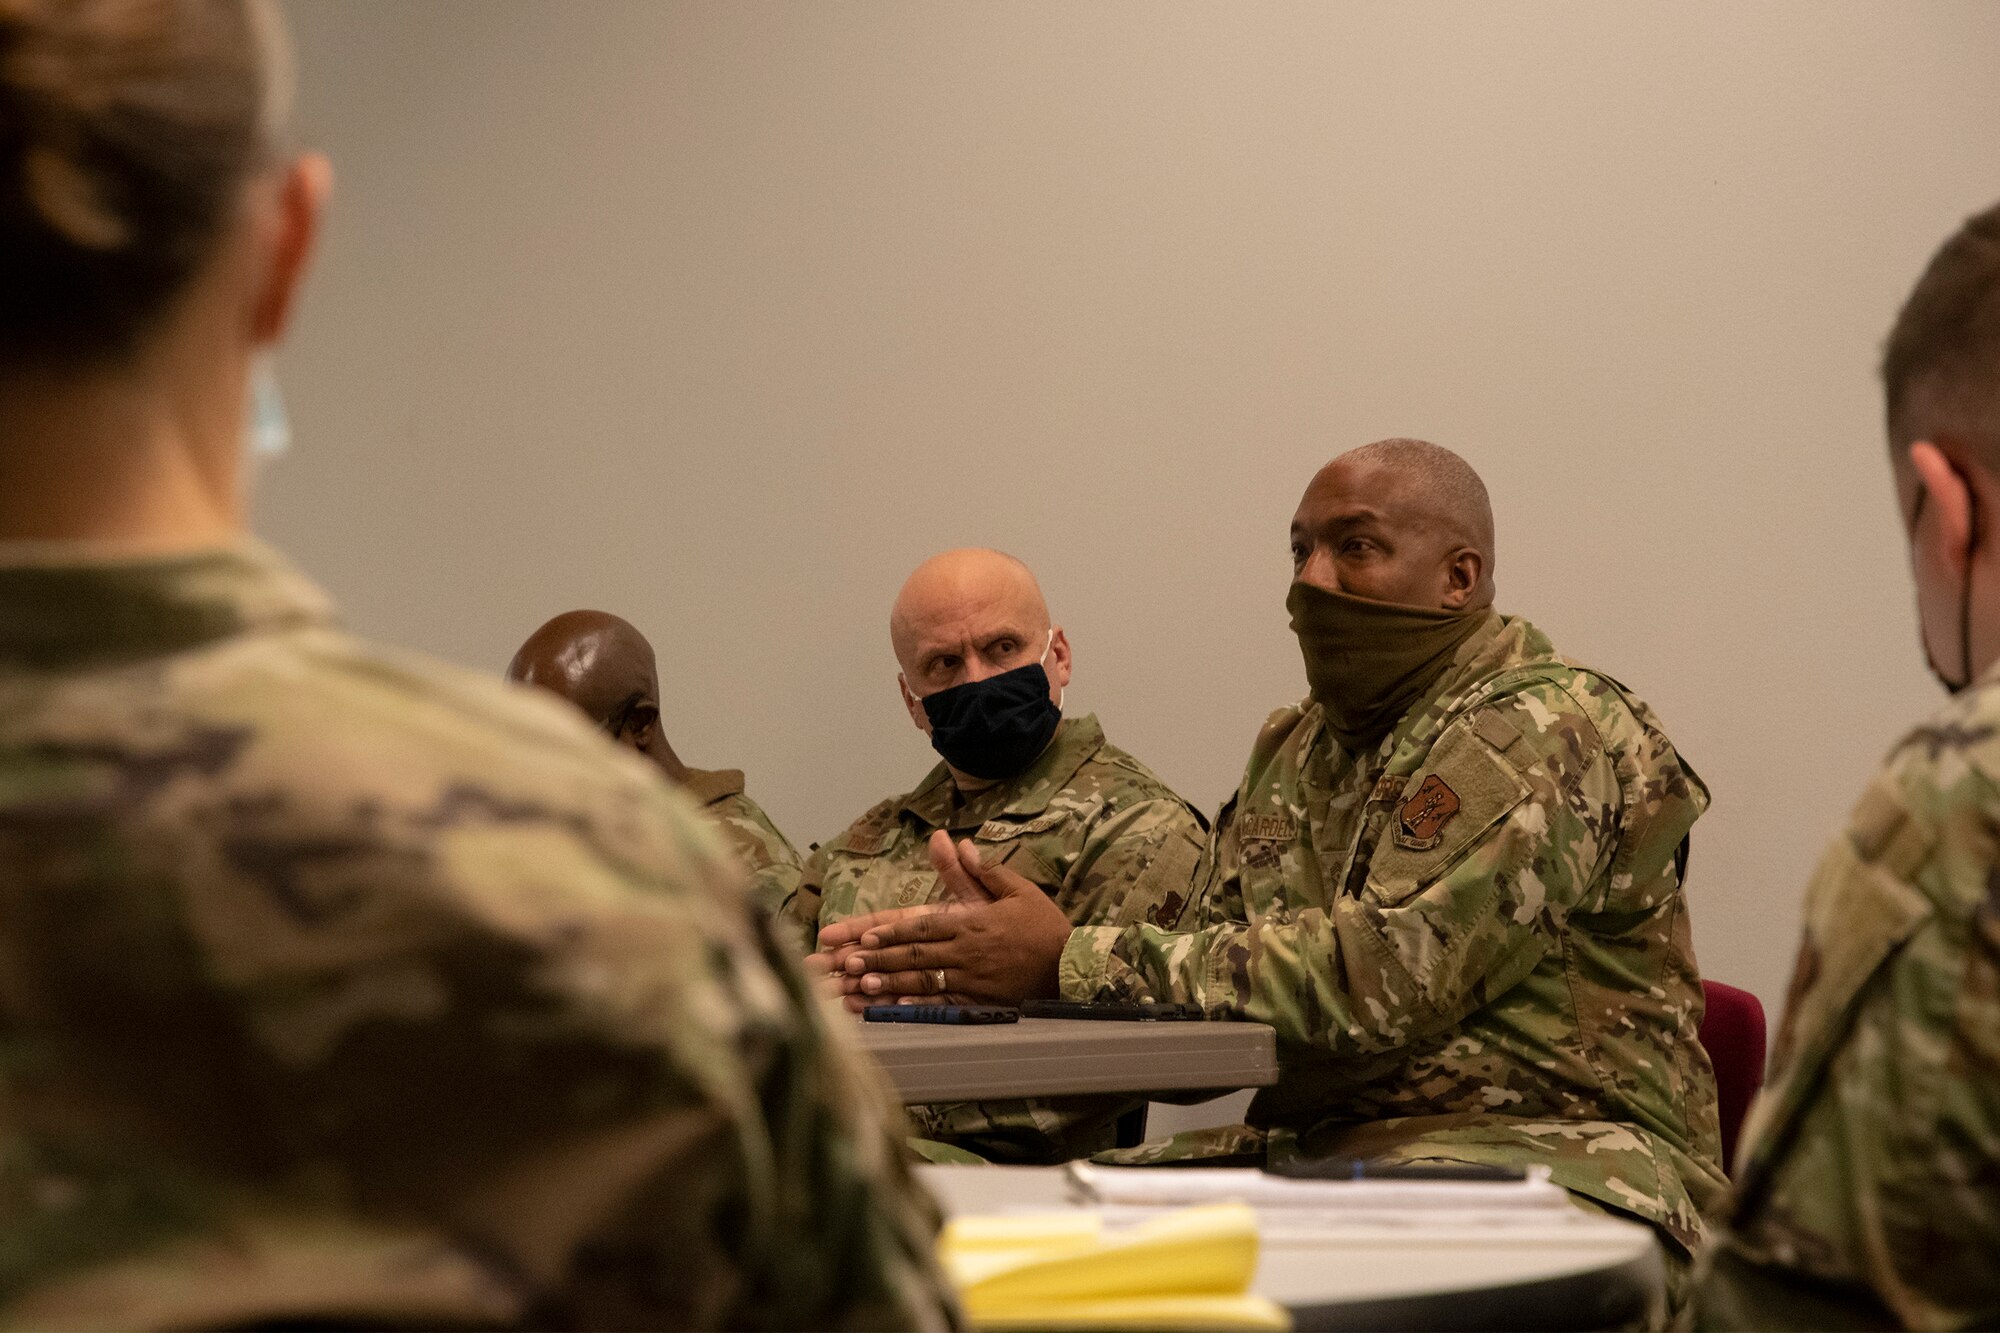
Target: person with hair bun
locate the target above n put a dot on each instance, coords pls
(336, 987)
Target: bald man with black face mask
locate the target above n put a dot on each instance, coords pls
(605, 666)
(984, 675)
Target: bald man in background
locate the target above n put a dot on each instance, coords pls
(605, 666)
(1103, 841)
(1450, 880)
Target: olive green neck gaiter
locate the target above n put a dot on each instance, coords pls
(1369, 662)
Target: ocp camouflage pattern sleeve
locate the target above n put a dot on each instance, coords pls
(1433, 932)
(343, 987)
(1137, 863)
(1868, 1191)
(766, 853)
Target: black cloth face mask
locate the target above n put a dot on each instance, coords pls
(994, 728)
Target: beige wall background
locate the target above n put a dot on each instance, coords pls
(722, 316)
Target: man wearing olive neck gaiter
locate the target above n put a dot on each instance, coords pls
(1449, 880)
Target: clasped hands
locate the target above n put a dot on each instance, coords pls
(996, 938)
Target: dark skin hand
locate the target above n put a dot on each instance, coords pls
(841, 941)
(998, 940)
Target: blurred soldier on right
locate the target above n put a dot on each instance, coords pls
(1868, 1191)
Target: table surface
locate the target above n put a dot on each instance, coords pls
(1415, 1268)
(1052, 1057)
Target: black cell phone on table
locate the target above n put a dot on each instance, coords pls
(1352, 1168)
(1115, 1012)
(941, 1013)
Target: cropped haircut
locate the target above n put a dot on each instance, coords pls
(128, 129)
(1941, 364)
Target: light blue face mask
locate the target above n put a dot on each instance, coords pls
(267, 430)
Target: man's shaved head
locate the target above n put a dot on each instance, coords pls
(1395, 521)
(1436, 482)
(969, 614)
(594, 659)
(966, 582)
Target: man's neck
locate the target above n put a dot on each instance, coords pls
(970, 786)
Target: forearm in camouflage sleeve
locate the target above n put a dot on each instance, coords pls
(1138, 865)
(797, 918)
(1411, 955)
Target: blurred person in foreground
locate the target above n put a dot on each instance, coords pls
(1868, 1185)
(338, 987)
(602, 664)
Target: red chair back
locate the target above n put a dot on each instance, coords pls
(1732, 1032)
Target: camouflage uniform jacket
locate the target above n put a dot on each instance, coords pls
(769, 856)
(1868, 1185)
(1089, 823)
(1471, 939)
(338, 986)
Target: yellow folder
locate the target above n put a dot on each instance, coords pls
(1062, 1270)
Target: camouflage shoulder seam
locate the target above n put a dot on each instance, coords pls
(1114, 757)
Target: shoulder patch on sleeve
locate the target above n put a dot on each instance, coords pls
(1452, 803)
(1425, 814)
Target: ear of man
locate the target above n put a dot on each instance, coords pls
(1946, 496)
(302, 195)
(913, 705)
(1464, 575)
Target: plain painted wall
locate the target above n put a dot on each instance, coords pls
(722, 316)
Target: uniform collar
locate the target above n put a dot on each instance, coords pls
(708, 786)
(937, 804)
(71, 603)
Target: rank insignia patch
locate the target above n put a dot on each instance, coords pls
(1426, 813)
